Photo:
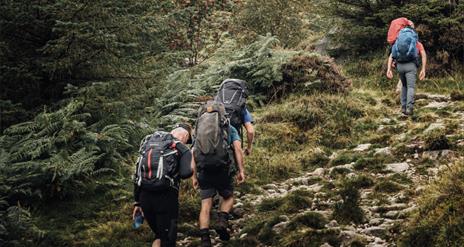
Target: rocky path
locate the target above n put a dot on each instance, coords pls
(401, 173)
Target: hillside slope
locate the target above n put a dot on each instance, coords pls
(356, 187)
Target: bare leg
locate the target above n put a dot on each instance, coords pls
(227, 204)
(206, 205)
(156, 243)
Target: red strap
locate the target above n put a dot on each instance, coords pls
(149, 163)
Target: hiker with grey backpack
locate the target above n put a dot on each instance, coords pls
(217, 159)
(233, 94)
(405, 52)
(164, 160)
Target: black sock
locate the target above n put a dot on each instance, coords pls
(204, 232)
(223, 216)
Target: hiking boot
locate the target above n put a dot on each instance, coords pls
(403, 111)
(409, 111)
(205, 239)
(222, 225)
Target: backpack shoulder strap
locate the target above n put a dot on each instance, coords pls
(143, 142)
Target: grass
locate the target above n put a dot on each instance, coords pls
(362, 181)
(311, 238)
(372, 164)
(387, 186)
(309, 219)
(347, 210)
(440, 218)
(293, 202)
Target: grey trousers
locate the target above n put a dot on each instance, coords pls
(408, 73)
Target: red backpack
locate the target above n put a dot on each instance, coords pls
(395, 26)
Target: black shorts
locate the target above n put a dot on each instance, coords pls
(161, 210)
(215, 182)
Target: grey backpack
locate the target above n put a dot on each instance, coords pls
(233, 94)
(211, 149)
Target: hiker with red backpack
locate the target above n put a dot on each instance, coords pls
(217, 155)
(164, 160)
(405, 52)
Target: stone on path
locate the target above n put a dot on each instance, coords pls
(376, 231)
(398, 167)
(362, 147)
(434, 126)
(318, 172)
(435, 97)
(437, 105)
(383, 151)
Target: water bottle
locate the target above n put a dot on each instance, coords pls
(138, 220)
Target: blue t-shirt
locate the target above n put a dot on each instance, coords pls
(246, 116)
(233, 135)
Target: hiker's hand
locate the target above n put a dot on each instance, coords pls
(422, 75)
(240, 177)
(194, 182)
(247, 151)
(136, 209)
(389, 74)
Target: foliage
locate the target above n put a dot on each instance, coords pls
(270, 73)
(46, 45)
(70, 151)
(278, 18)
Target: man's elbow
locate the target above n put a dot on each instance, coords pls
(250, 129)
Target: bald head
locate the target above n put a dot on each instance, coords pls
(181, 134)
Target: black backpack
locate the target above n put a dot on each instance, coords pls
(157, 166)
(233, 94)
(211, 149)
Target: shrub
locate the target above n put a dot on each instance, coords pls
(348, 210)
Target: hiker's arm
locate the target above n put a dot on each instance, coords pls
(239, 159)
(136, 186)
(185, 162)
(136, 195)
(250, 137)
(424, 63)
(194, 170)
(389, 66)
